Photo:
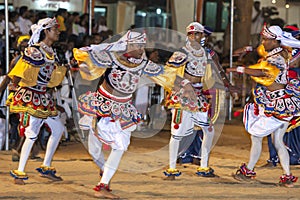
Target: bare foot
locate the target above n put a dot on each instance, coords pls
(106, 194)
(19, 181)
(288, 185)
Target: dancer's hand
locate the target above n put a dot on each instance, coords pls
(189, 92)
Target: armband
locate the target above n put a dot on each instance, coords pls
(240, 69)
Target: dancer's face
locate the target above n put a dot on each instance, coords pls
(136, 50)
(195, 36)
(52, 33)
(269, 44)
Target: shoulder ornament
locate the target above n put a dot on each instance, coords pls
(33, 56)
(101, 58)
(153, 69)
(177, 59)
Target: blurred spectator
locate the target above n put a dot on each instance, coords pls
(84, 22)
(87, 40)
(97, 38)
(61, 15)
(218, 47)
(40, 15)
(69, 22)
(2, 23)
(257, 24)
(100, 25)
(24, 21)
(32, 16)
(14, 29)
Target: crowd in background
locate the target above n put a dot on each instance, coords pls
(74, 28)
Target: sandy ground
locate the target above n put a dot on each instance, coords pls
(80, 174)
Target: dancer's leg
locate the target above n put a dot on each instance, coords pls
(255, 152)
(208, 136)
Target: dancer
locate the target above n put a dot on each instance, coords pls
(121, 64)
(22, 43)
(291, 138)
(36, 70)
(191, 63)
(193, 153)
(275, 100)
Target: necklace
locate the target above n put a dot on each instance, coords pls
(195, 52)
(274, 51)
(135, 60)
(126, 64)
(48, 49)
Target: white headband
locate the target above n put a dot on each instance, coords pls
(41, 25)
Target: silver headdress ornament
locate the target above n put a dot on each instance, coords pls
(276, 33)
(41, 25)
(131, 37)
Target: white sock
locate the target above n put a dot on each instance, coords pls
(26, 149)
(256, 147)
(281, 149)
(173, 151)
(111, 165)
(51, 148)
(208, 137)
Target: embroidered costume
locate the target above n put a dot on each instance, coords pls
(37, 70)
(291, 138)
(195, 65)
(124, 78)
(282, 104)
(276, 101)
(216, 96)
(112, 104)
(186, 114)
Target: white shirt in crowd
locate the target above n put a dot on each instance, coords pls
(25, 25)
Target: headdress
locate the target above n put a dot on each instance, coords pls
(208, 30)
(295, 33)
(291, 28)
(21, 38)
(131, 37)
(294, 30)
(41, 25)
(276, 33)
(195, 27)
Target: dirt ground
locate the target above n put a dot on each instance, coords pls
(142, 178)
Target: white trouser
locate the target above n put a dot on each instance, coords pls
(185, 128)
(256, 149)
(110, 132)
(95, 150)
(31, 133)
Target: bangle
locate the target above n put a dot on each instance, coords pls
(240, 69)
(248, 48)
(184, 82)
